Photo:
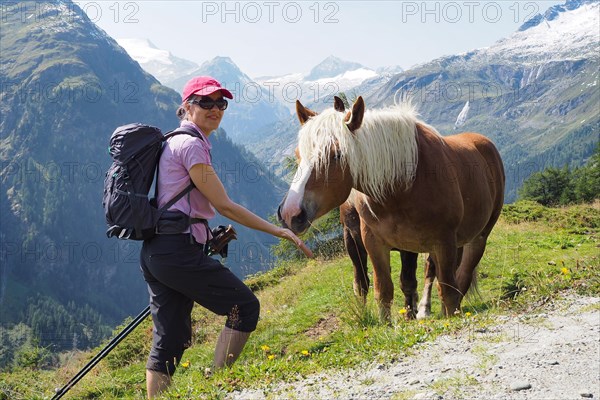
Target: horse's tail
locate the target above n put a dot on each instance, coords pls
(474, 293)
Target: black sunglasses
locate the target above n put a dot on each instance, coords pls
(207, 103)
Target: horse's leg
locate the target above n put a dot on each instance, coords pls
(459, 254)
(355, 249)
(472, 253)
(383, 287)
(444, 258)
(425, 304)
(408, 282)
(358, 255)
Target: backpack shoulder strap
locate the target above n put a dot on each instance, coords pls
(179, 131)
(183, 130)
(178, 197)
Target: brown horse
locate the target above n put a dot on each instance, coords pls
(355, 248)
(421, 192)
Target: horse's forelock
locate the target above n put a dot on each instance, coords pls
(319, 136)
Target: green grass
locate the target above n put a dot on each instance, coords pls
(311, 322)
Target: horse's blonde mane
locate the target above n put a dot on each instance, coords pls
(381, 154)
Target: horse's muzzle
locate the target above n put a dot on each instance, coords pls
(299, 223)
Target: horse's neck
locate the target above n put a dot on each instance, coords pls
(430, 152)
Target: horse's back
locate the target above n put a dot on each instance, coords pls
(484, 147)
(479, 147)
(478, 140)
(484, 144)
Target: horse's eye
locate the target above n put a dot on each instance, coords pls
(337, 156)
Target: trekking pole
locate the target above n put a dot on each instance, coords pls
(107, 349)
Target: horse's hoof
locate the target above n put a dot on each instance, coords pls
(410, 314)
(423, 314)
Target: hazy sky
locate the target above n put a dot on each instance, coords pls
(280, 37)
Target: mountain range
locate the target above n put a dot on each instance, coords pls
(253, 107)
(66, 86)
(260, 101)
(535, 93)
(328, 78)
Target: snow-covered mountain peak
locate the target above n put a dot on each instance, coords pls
(328, 78)
(143, 50)
(553, 12)
(225, 69)
(160, 63)
(567, 33)
(330, 67)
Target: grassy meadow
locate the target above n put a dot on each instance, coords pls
(311, 321)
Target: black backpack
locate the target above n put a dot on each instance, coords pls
(130, 213)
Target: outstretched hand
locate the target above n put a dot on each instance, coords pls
(289, 235)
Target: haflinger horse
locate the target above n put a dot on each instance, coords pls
(421, 192)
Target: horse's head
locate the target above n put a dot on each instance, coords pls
(323, 180)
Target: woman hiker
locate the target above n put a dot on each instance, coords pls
(175, 266)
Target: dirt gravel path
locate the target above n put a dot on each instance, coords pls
(550, 353)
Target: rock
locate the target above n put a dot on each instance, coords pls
(520, 385)
(587, 395)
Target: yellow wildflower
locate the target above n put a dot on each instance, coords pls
(468, 314)
(565, 271)
(403, 311)
(271, 356)
(305, 353)
(186, 364)
(265, 348)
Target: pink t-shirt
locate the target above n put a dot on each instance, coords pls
(180, 154)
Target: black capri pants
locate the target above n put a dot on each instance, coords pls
(178, 273)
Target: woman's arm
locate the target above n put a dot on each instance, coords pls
(208, 183)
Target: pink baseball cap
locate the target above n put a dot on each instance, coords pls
(203, 86)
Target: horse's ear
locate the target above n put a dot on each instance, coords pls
(338, 104)
(356, 118)
(303, 113)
